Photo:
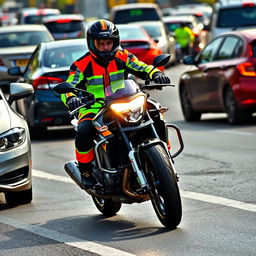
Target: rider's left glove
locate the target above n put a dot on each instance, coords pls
(73, 103)
(160, 78)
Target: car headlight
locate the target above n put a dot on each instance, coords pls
(12, 138)
(130, 111)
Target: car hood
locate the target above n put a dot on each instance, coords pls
(4, 117)
(17, 50)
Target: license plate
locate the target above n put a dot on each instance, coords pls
(21, 62)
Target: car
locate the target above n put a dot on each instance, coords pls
(161, 35)
(125, 13)
(221, 78)
(15, 148)
(201, 37)
(137, 41)
(34, 15)
(232, 15)
(65, 26)
(17, 43)
(48, 66)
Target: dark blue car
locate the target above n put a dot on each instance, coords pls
(48, 66)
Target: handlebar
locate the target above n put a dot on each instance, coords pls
(152, 86)
(88, 104)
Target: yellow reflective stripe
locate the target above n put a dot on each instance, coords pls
(103, 25)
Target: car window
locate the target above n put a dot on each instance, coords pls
(131, 33)
(209, 52)
(153, 31)
(14, 39)
(32, 65)
(63, 26)
(228, 48)
(64, 56)
(133, 15)
(237, 17)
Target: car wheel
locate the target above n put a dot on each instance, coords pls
(186, 106)
(16, 198)
(37, 132)
(234, 114)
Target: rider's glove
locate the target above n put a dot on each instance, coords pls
(160, 78)
(73, 103)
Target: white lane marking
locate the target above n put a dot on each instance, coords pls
(62, 238)
(235, 132)
(219, 200)
(187, 194)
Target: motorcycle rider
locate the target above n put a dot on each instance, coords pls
(100, 71)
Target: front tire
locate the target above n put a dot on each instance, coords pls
(17, 198)
(164, 191)
(107, 207)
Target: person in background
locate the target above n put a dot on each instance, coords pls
(185, 38)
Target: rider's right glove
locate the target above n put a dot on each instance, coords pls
(73, 103)
(160, 78)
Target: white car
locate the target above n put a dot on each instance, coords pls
(233, 15)
(17, 44)
(15, 148)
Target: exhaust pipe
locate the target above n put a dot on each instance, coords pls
(72, 170)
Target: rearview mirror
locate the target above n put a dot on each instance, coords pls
(64, 87)
(161, 60)
(20, 91)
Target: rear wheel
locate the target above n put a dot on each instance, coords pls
(234, 114)
(16, 198)
(107, 207)
(164, 191)
(186, 106)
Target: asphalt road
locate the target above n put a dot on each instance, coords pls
(217, 183)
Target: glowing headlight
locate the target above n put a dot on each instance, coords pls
(130, 111)
(12, 138)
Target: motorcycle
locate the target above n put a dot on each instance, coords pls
(133, 162)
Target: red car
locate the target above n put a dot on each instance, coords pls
(137, 41)
(221, 78)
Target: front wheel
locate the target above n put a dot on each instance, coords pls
(164, 191)
(107, 207)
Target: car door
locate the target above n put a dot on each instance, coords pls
(221, 71)
(198, 79)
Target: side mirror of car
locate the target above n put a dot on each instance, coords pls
(20, 91)
(189, 60)
(14, 71)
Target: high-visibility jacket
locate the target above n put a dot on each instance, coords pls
(98, 79)
(184, 36)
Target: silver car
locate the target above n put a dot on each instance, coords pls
(15, 148)
(17, 43)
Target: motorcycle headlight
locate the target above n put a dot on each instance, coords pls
(130, 111)
(12, 138)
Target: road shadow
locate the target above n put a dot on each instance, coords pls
(54, 135)
(213, 123)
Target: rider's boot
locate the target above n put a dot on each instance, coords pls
(86, 174)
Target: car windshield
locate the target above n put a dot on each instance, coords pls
(64, 26)
(63, 56)
(23, 38)
(237, 17)
(173, 26)
(35, 19)
(132, 15)
(130, 88)
(131, 33)
(153, 30)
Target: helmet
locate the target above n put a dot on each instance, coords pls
(103, 29)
